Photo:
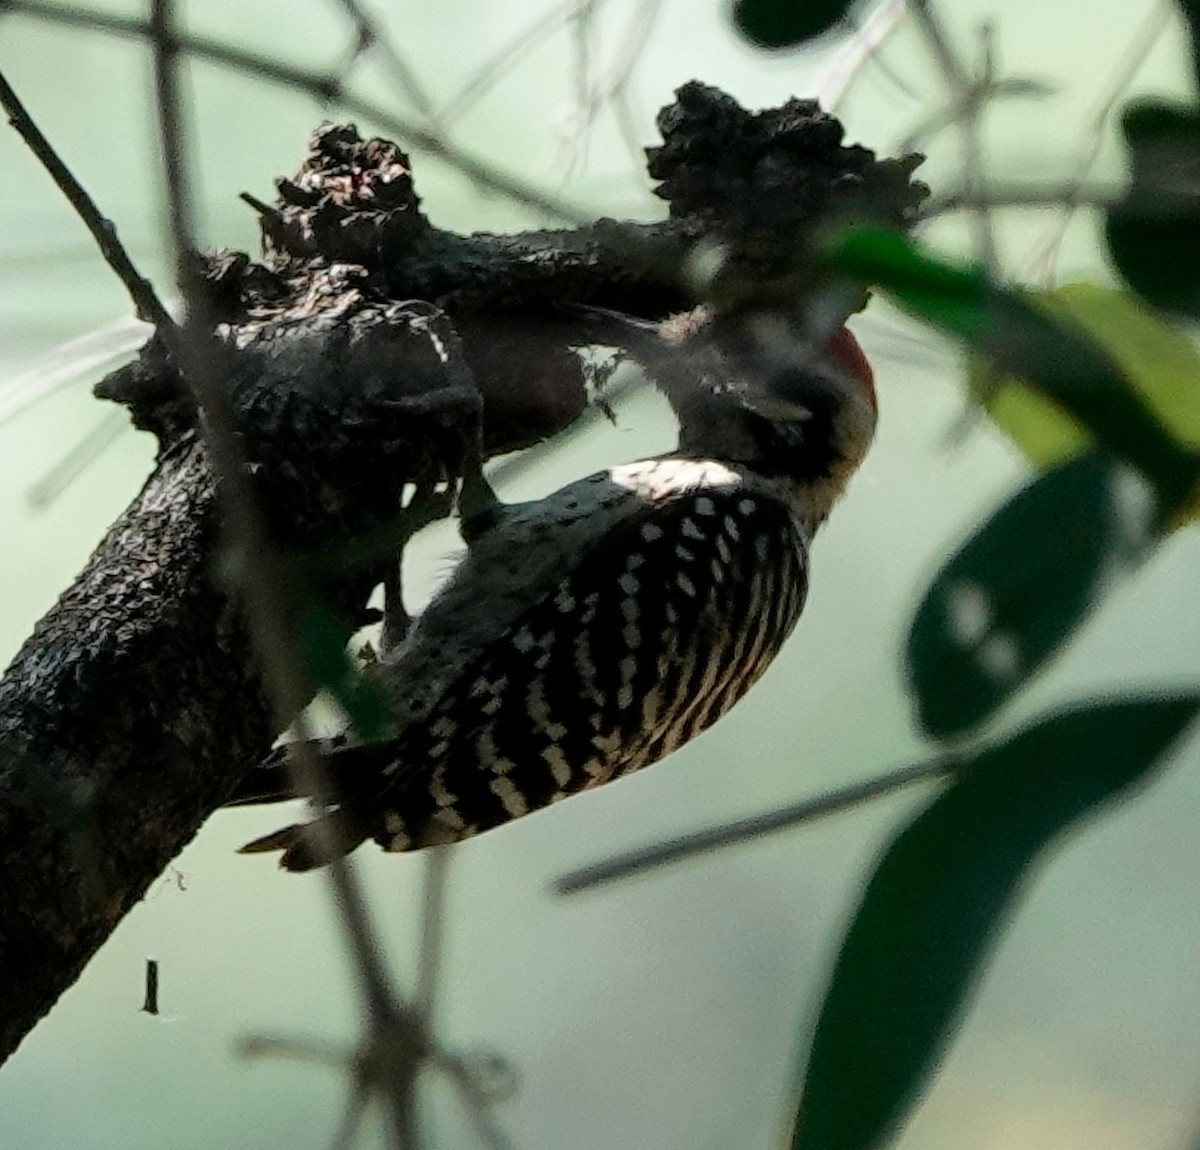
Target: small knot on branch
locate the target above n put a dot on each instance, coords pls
(763, 182)
(353, 201)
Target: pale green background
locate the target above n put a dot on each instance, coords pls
(665, 1012)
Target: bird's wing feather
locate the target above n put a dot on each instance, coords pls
(646, 636)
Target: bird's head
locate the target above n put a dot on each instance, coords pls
(797, 412)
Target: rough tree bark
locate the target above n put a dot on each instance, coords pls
(134, 708)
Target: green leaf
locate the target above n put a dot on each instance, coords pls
(786, 23)
(938, 899)
(323, 639)
(1005, 603)
(1191, 14)
(1154, 232)
(1157, 358)
(1023, 339)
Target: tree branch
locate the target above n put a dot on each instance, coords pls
(134, 709)
(642, 859)
(109, 760)
(147, 304)
(326, 88)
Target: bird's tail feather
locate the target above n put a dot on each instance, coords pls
(268, 781)
(350, 770)
(306, 846)
(347, 789)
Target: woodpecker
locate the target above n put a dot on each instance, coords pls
(589, 634)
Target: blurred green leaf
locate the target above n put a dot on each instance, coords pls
(323, 639)
(1191, 13)
(786, 23)
(1004, 604)
(1022, 339)
(939, 898)
(1159, 361)
(1154, 232)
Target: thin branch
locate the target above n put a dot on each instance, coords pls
(637, 36)
(323, 87)
(354, 1113)
(433, 922)
(595, 92)
(69, 362)
(374, 984)
(170, 128)
(475, 1101)
(51, 484)
(263, 578)
(370, 35)
(264, 581)
(583, 40)
(966, 93)
(976, 174)
(104, 232)
(267, 588)
(311, 1051)
(1045, 251)
(953, 72)
(504, 59)
(743, 830)
(1014, 87)
(628, 124)
(316, 1052)
(463, 1074)
(1005, 195)
(835, 82)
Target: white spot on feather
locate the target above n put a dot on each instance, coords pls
(489, 753)
(560, 769)
(438, 792)
(514, 802)
(523, 640)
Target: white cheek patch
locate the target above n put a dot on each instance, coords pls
(663, 480)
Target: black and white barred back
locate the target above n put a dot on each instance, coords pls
(649, 631)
